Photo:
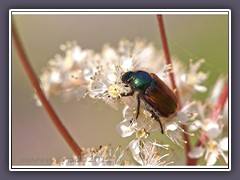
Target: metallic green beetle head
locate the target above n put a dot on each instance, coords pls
(138, 80)
(128, 77)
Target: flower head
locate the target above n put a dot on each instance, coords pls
(213, 149)
(112, 64)
(102, 156)
(68, 75)
(81, 73)
(147, 153)
(212, 142)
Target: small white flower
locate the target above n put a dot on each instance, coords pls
(212, 150)
(107, 85)
(212, 146)
(173, 125)
(112, 64)
(144, 120)
(195, 125)
(138, 55)
(216, 90)
(196, 152)
(187, 81)
(103, 156)
(125, 129)
(196, 77)
(146, 153)
(68, 75)
(212, 129)
(223, 144)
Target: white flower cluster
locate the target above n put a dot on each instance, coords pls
(213, 138)
(103, 156)
(81, 73)
(108, 156)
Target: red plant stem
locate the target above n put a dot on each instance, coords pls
(216, 111)
(167, 56)
(215, 114)
(172, 79)
(220, 104)
(54, 117)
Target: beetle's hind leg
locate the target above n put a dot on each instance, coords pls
(157, 118)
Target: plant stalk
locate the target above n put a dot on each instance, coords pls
(35, 83)
(172, 79)
(221, 102)
(215, 114)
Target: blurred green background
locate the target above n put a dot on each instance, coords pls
(92, 123)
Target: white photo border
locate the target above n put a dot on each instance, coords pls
(119, 12)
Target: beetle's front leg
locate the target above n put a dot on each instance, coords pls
(138, 110)
(127, 94)
(138, 106)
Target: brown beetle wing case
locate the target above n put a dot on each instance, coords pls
(160, 97)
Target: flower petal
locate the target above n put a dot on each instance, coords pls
(195, 125)
(124, 129)
(213, 130)
(135, 149)
(196, 152)
(171, 127)
(128, 112)
(212, 158)
(223, 144)
(78, 55)
(200, 88)
(55, 77)
(217, 89)
(127, 64)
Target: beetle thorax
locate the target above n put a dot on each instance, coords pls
(141, 82)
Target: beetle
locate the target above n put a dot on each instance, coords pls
(159, 98)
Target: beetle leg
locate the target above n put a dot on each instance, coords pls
(156, 117)
(127, 94)
(138, 110)
(138, 99)
(132, 121)
(138, 106)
